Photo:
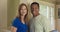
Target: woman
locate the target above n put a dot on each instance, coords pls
(19, 23)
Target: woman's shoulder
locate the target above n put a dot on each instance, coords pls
(14, 22)
(16, 19)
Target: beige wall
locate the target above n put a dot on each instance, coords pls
(11, 11)
(56, 15)
(57, 20)
(3, 14)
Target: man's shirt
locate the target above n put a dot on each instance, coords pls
(39, 24)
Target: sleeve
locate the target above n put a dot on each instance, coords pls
(14, 23)
(46, 25)
(32, 28)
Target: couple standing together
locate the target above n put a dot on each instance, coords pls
(38, 23)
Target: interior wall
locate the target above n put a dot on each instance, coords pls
(57, 19)
(3, 14)
(11, 11)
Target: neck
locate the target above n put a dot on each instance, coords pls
(22, 19)
(36, 15)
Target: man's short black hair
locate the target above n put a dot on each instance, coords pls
(35, 3)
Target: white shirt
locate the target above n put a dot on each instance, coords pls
(39, 24)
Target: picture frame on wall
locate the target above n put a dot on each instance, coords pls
(59, 13)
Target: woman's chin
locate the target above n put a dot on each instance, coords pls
(23, 15)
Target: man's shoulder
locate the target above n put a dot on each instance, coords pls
(42, 16)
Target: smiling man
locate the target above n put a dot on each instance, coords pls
(38, 23)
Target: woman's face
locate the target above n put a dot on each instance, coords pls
(23, 10)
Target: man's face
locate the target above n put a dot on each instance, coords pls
(35, 9)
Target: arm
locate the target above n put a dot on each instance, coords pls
(13, 29)
(31, 26)
(46, 25)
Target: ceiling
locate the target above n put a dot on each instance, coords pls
(53, 1)
(57, 0)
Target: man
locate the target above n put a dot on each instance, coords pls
(38, 23)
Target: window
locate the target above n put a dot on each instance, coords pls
(43, 10)
(49, 13)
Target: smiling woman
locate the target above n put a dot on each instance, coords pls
(19, 23)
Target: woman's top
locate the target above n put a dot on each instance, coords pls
(19, 25)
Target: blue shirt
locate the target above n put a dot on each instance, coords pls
(19, 25)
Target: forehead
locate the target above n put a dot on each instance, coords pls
(22, 7)
(34, 5)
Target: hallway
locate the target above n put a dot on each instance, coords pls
(48, 8)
